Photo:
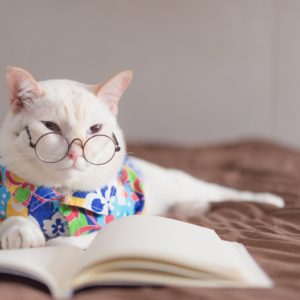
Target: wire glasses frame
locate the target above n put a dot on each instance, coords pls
(113, 139)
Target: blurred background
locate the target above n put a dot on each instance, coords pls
(205, 71)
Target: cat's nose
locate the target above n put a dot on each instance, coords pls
(73, 155)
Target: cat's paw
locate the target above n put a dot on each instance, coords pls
(22, 236)
(269, 199)
(190, 208)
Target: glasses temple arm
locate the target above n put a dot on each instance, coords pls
(118, 148)
(31, 144)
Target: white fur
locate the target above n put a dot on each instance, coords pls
(168, 187)
(75, 107)
(18, 232)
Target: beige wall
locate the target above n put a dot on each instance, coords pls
(205, 71)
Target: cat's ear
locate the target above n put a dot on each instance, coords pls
(22, 87)
(111, 91)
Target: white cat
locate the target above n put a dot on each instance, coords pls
(78, 112)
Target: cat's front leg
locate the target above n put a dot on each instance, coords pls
(19, 232)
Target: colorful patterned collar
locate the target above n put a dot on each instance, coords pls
(71, 215)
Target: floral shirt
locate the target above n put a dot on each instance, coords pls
(71, 215)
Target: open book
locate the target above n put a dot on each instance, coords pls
(139, 250)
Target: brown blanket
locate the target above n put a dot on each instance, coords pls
(271, 235)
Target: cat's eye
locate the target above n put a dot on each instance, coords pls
(95, 129)
(51, 126)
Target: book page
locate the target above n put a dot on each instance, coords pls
(53, 266)
(249, 269)
(162, 239)
(148, 272)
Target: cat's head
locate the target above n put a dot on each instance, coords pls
(74, 112)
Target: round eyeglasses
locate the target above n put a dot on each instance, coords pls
(53, 147)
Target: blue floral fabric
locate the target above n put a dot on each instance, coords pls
(72, 215)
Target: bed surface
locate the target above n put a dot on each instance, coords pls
(271, 235)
